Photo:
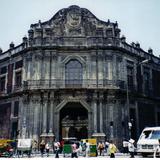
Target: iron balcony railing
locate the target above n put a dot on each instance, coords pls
(73, 83)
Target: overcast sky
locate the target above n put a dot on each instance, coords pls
(139, 20)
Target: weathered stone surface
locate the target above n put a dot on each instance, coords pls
(76, 64)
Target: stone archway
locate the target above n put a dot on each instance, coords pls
(58, 118)
(73, 119)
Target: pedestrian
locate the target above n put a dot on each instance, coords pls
(42, 147)
(106, 146)
(87, 148)
(61, 146)
(47, 148)
(101, 148)
(56, 148)
(74, 150)
(131, 147)
(34, 146)
(112, 149)
(83, 147)
(125, 146)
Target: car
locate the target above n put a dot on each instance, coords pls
(149, 141)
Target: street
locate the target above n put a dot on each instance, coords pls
(51, 156)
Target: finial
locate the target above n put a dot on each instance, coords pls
(11, 45)
(137, 44)
(150, 51)
(24, 39)
(123, 38)
(1, 50)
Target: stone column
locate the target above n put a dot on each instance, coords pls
(90, 124)
(56, 124)
(47, 65)
(100, 68)
(13, 78)
(53, 65)
(36, 119)
(23, 113)
(114, 68)
(20, 116)
(110, 70)
(29, 61)
(95, 116)
(137, 119)
(101, 116)
(30, 118)
(44, 115)
(111, 119)
(42, 67)
(51, 116)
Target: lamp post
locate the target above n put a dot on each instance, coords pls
(127, 94)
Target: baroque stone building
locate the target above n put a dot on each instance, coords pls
(75, 76)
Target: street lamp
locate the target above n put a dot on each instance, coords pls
(127, 94)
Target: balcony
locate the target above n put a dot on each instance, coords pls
(73, 83)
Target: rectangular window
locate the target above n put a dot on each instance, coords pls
(146, 80)
(155, 82)
(130, 75)
(109, 33)
(3, 70)
(19, 64)
(16, 108)
(18, 79)
(10, 77)
(99, 32)
(2, 83)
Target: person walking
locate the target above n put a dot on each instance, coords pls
(131, 147)
(83, 147)
(106, 146)
(47, 148)
(42, 147)
(74, 150)
(112, 149)
(101, 148)
(125, 146)
(34, 146)
(56, 148)
(87, 148)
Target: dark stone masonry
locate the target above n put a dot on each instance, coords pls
(76, 76)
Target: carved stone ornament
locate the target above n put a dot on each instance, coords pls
(74, 18)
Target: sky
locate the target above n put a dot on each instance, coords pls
(139, 20)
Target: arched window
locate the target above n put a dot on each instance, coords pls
(73, 73)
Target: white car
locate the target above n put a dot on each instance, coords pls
(149, 141)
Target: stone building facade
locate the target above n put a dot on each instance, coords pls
(75, 76)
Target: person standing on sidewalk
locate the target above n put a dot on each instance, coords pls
(112, 149)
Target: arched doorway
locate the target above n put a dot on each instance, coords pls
(74, 121)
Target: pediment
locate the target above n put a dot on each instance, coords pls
(73, 21)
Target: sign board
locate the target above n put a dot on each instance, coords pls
(24, 144)
(91, 141)
(93, 146)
